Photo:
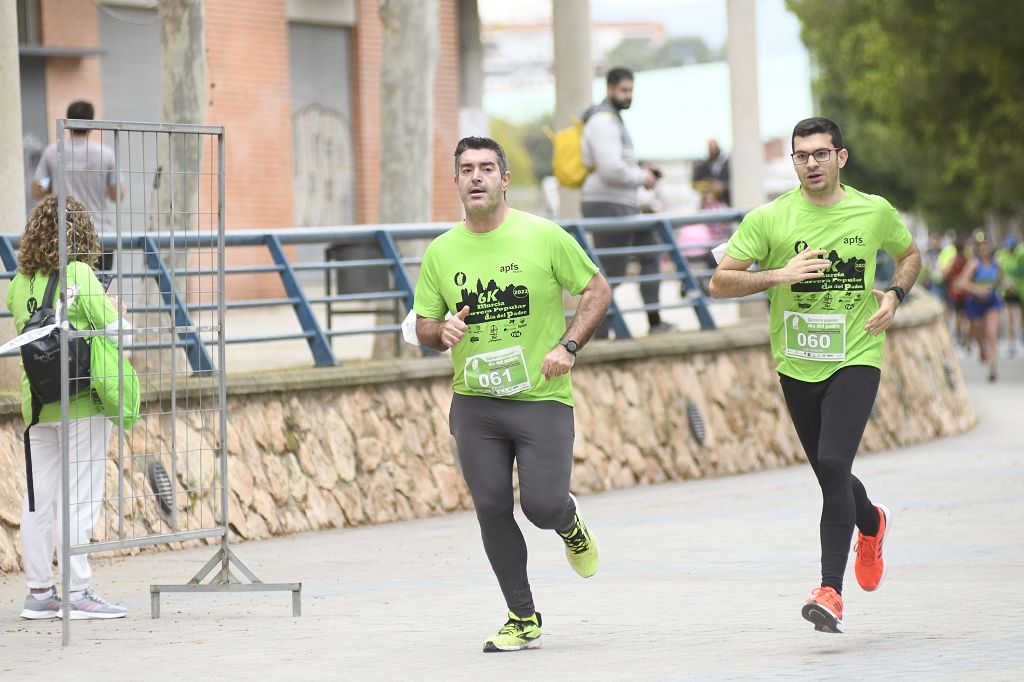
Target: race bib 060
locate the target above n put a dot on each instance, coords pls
(815, 337)
(497, 372)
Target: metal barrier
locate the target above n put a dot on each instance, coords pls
(174, 287)
(153, 250)
(663, 227)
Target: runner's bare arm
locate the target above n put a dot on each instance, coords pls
(428, 331)
(594, 301)
(964, 282)
(908, 264)
(732, 278)
(441, 335)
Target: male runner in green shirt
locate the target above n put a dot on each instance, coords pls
(501, 273)
(816, 247)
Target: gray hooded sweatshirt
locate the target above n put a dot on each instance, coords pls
(608, 150)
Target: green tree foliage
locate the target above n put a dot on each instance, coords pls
(528, 149)
(510, 137)
(930, 96)
(640, 54)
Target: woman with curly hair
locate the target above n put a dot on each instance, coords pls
(89, 307)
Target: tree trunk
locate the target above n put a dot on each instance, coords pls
(410, 48)
(179, 161)
(183, 90)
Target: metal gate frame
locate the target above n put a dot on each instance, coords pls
(182, 331)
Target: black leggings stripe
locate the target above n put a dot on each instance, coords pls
(830, 417)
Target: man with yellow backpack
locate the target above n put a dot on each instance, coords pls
(611, 179)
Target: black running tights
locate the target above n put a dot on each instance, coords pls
(493, 433)
(830, 417)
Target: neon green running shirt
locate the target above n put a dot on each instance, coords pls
(512, 280)
(817, 326)
(1012, 265)
(1017, 273)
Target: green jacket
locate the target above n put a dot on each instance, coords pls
(91, 308)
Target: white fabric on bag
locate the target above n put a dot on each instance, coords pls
(30, 336)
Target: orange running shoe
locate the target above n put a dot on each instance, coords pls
(870, 566)
(824, 609)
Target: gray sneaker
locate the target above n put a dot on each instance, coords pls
(91, 605)
(39, 609)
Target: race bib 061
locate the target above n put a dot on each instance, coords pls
(498, 372)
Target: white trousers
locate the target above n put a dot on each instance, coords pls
(88, 440)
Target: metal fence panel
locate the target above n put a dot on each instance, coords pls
(162, 254)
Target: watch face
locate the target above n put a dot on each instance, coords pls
(571, 346)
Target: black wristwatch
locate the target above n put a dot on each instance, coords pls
(570, 346)
(900, 294)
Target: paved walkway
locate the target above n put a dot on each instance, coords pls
(700, 580)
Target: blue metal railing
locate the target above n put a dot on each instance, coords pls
(387, 238)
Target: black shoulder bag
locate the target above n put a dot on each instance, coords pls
(41, 360)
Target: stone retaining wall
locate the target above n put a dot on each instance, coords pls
(369, 443)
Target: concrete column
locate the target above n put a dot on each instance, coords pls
(12, 170)
(574, 76)
(472, 120)
(746, 167)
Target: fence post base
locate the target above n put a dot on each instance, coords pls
(225, 581)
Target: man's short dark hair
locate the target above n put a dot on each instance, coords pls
(481, 143)
(81, 109)
(815, 125)
(617, 75)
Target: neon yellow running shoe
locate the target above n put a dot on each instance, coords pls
(580, 546)
(515, 635)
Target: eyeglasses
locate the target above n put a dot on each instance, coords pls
(820, 155)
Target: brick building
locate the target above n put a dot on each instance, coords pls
(280, 73)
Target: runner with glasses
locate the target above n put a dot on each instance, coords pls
(821, 156)
(816, 247)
